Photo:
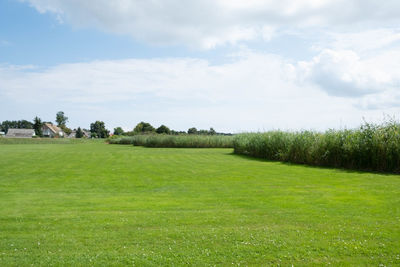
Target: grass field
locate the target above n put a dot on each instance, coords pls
(98, 204)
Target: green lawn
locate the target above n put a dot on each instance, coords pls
(97, 204)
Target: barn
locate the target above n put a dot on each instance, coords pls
(20, 133)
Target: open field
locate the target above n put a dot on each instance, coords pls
(96, 204)
(22, 141)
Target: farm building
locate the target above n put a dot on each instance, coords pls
(50, 130)
(20, 133)
(86, 134)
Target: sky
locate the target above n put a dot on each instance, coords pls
(234, 65)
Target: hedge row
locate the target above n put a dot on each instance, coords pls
(178, 141)
(369, 147)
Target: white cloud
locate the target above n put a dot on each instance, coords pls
(353, 73)
(364, 64)
(367, 41)
(209, 23)
(256, 91)
(343, 73)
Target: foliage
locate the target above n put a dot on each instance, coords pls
(21, 124)
(370, 147)
(37, 125)
(163, 130)
(79, 133)
(178, 141)
(124, 140)
(66, 130)
(90, 204)
(98, 130)
(129, 133)
(61, 119)
(143, 127)
(118, 131)
(192, 130)
(212, 131)
(173, 132)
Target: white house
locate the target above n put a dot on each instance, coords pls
(50, 130)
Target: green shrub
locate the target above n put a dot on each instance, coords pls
(125, 140)
(178, 141)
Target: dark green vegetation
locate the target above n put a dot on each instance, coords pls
(98, 130)
(79, 133)
(145, 128)
(5, 125)
(96, 204)
(370, 147)
(37, 125)
(178, 141)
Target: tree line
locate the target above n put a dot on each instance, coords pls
(147, 128)
(37, 124)
(99, 130)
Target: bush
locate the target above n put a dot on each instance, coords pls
(178, 141)
(163, 130)
(120, 140)
(370, 147)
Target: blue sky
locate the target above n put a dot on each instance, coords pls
(34, 38)
(232, 65)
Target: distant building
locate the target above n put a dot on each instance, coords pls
(20, 133)
(72, 134)
(2, 133)
(86, 134)
(50, 130)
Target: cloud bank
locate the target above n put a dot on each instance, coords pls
(353, 70)
(210, 23)
(256, 91)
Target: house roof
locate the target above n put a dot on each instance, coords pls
(22, 133)
(53, 128)
(84, 132)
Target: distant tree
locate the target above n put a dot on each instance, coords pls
(99, 129)
(21, 124)
(66, 130)
(37, 125)
(212, 131)
(202, 132)
(173, 132)
(61, 119)
(163, 130)
(129, 133)
(143, 127)
(192, 130)
(79, 133)
(24, 124)
(118, 131)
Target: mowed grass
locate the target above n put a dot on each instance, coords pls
(97, 204)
